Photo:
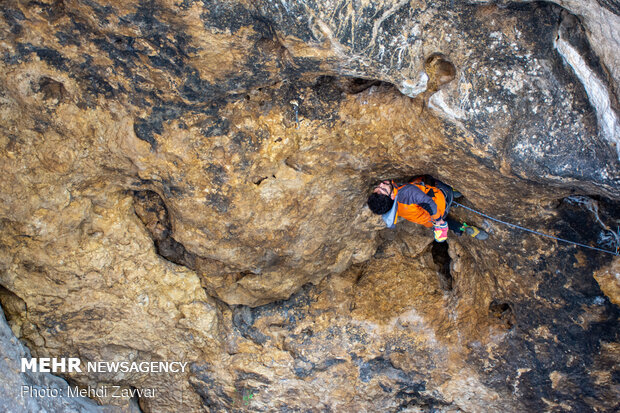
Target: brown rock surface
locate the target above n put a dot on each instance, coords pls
(609, 280)
(185, 181)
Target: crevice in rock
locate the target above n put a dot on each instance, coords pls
(150, 208)
(441, 258)
(379, 366)
(243, 321)
(14, 308)
(412, 397)
(152, 211)
(259, 180)
(262, 179)
(325, 85)
(358, 85)
(381, 253)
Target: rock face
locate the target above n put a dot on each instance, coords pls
(185, 181)
(36, 390)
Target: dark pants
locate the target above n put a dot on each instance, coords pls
(454, 226)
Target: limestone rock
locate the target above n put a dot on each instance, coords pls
(601, 19)
(186, 181)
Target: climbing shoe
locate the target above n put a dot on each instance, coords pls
(474, 232)
(441, 232)
(456, 194)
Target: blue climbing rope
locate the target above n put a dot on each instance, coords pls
(532, 231)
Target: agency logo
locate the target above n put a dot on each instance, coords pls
(52, 365)
(74, 364)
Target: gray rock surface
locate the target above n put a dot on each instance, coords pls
(19, 392)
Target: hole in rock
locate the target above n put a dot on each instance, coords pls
(441, 258)
(51, 89)
(502, 311)
(439, 70)
(260, 180)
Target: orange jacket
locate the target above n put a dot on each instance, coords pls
(419, 203)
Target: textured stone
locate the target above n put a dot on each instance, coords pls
(609, 280)
(601, 19)
(186, 180)
(596, 60)
(18, 390)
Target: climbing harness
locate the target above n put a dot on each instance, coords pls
(534, 232)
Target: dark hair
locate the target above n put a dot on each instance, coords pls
(379, 203)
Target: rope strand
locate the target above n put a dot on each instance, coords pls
(532, 231)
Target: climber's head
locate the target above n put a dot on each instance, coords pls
(382, 198)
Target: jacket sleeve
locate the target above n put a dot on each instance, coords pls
(411, 194)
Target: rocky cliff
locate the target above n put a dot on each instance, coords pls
(186, 181)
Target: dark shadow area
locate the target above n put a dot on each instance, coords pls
(502, 311)
(353, 86)
(328, 85)
(590, 220)
(566, 323)
(13, 306)
(52, 89)
(152, 211)
(439, 70)
(441, 258)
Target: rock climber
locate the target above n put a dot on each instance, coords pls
(425, 201)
